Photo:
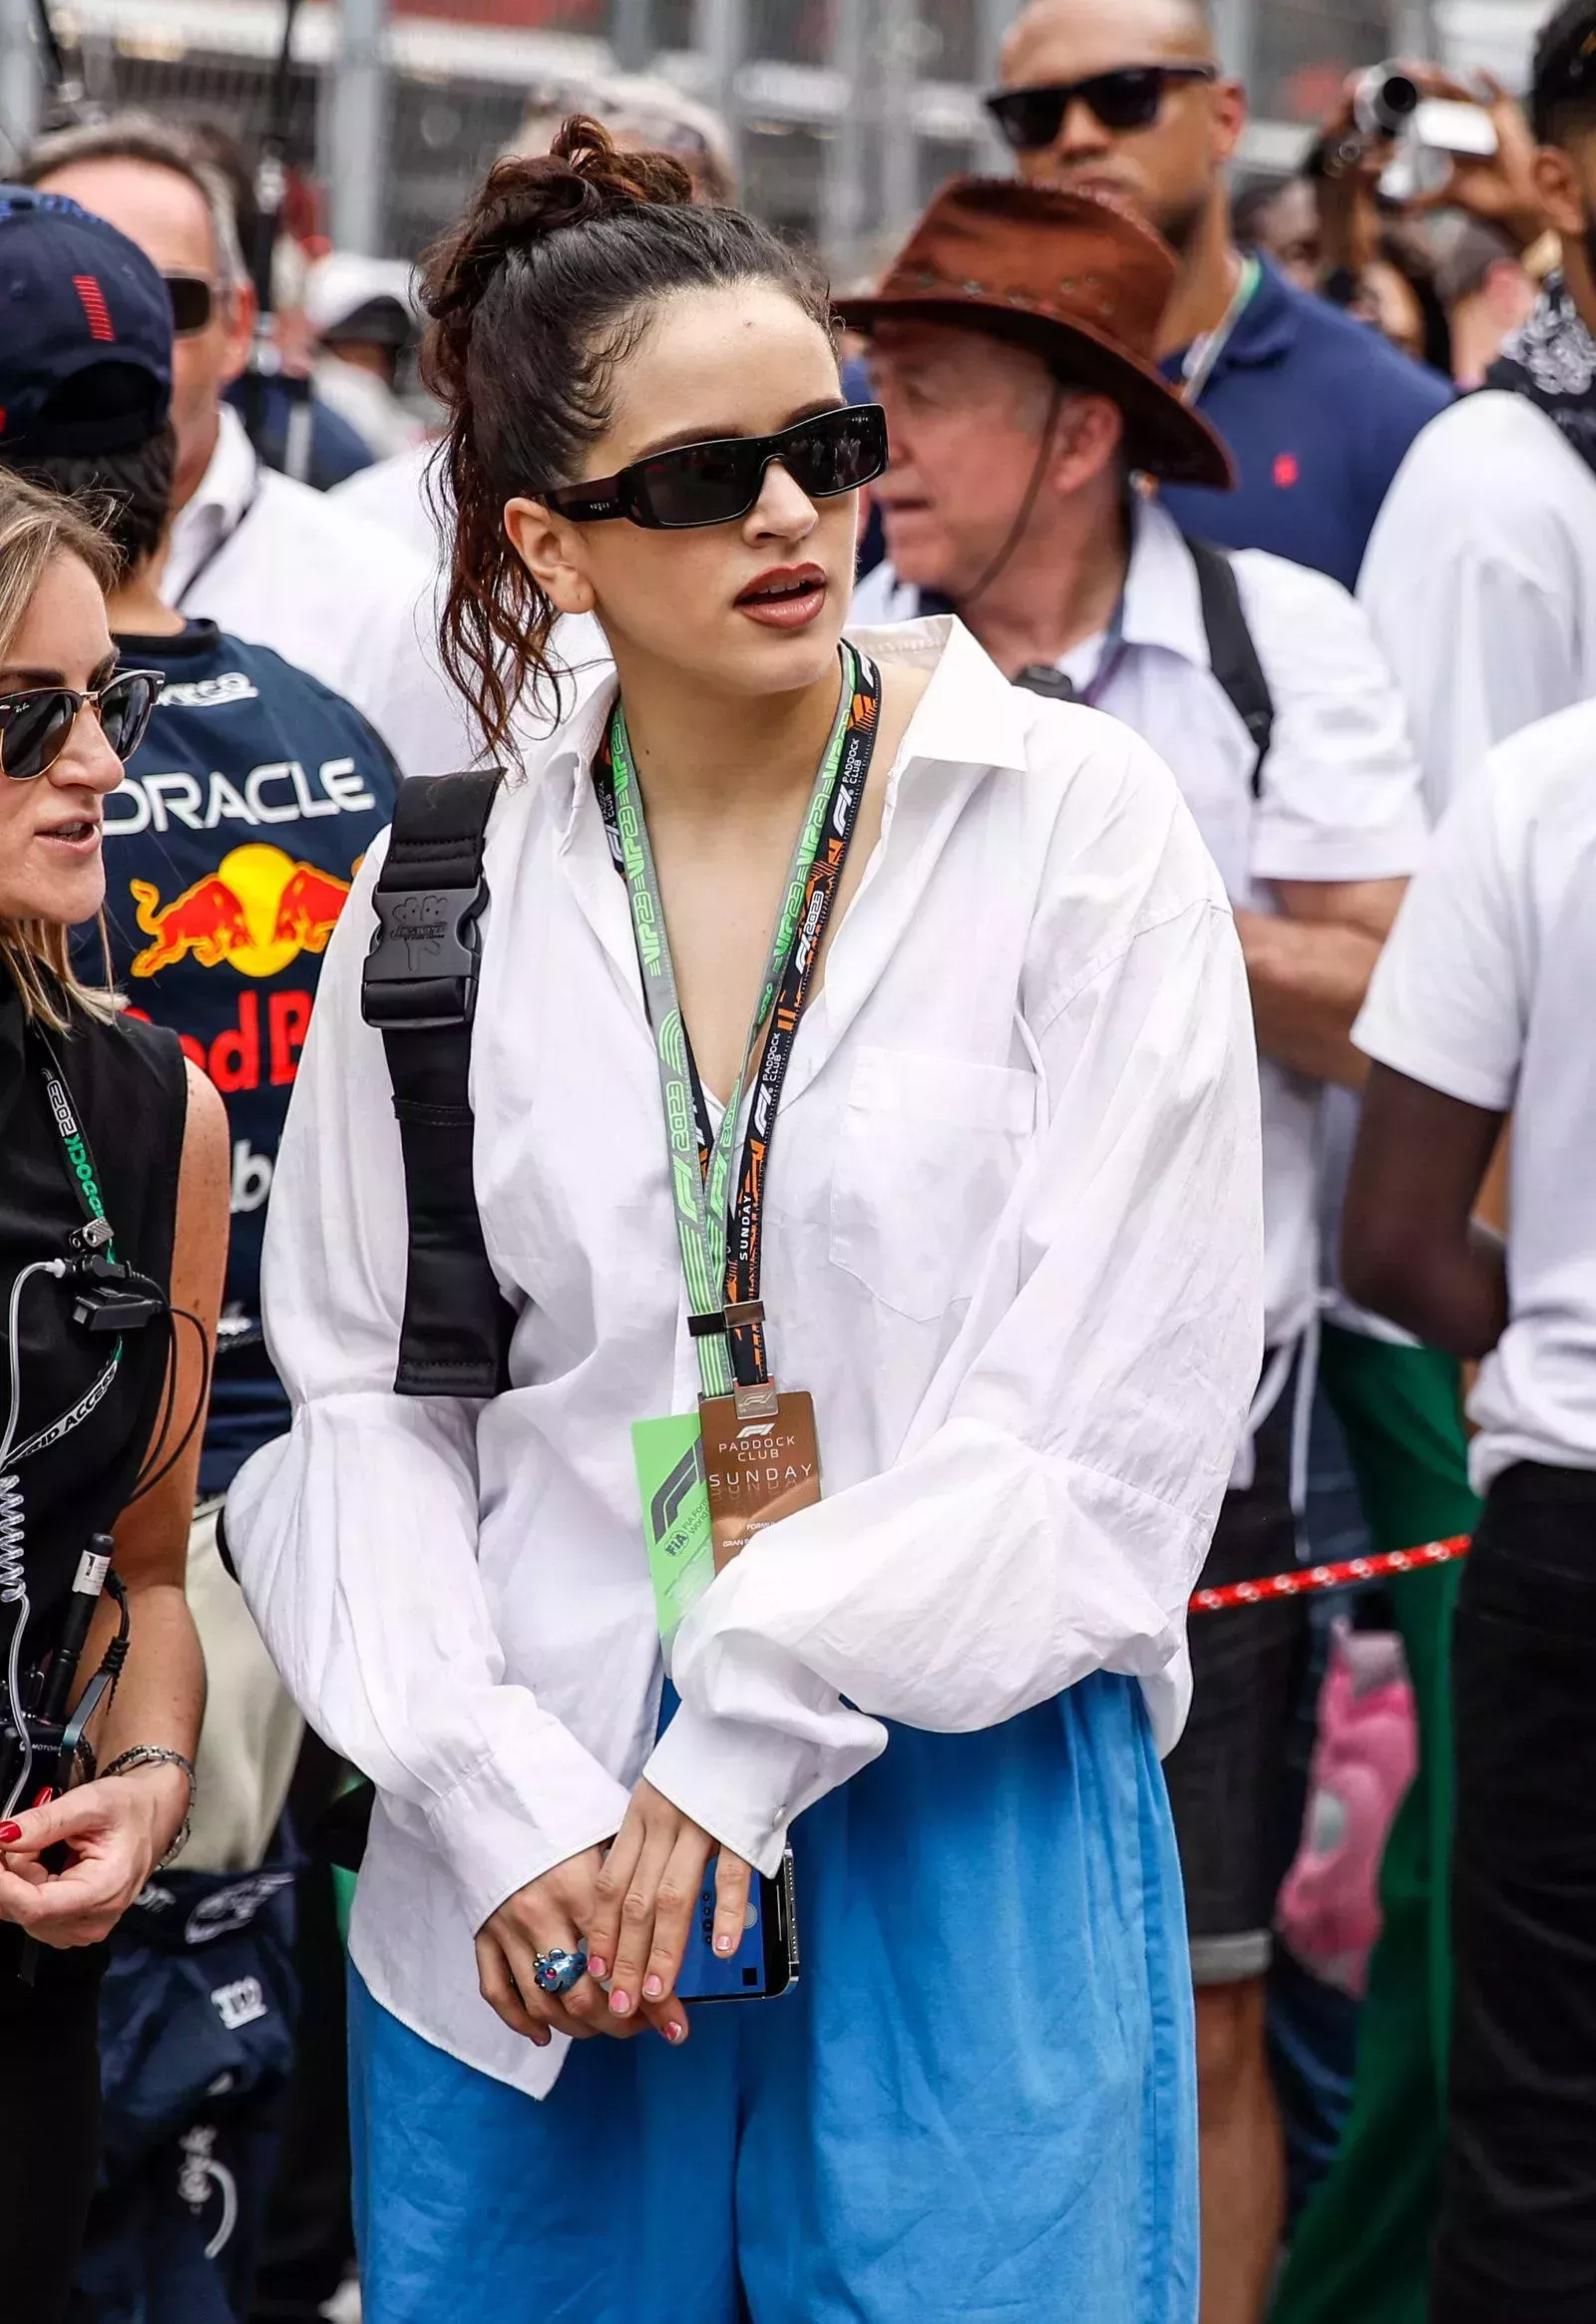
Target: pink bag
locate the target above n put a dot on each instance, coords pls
(1366, 1758)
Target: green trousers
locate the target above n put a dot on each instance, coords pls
(1361, 2253)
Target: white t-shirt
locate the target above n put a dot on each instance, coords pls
(1486, 992)
(1341, 792)
(1480, 582)
(285, 567)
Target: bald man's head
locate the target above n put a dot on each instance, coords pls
(1167, 168)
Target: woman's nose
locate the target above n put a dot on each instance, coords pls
(88, 757)
(782, 507)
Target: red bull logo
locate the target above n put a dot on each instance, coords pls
(257, 911)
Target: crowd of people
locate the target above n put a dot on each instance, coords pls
(1085, 734)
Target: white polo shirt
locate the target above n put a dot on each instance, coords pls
(1341, 793)
(1480, 582)
(275, 562)
(1013, 1248)
(1485, 992)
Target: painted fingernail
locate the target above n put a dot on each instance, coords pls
(620, 2003)
(10, 1834)
(652, 1988)
(722, 1943)
(676, 2032)
(595, 1966)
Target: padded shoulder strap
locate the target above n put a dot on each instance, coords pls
(1231, 650)
(419, 989)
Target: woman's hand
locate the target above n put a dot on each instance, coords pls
(645, 1899)
(549, 1915)
(116, 1832)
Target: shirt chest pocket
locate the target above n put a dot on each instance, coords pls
(929, 1150)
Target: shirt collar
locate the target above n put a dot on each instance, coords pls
(217, 504)
(229, 480)
(1164, 604)
(969, 715)
(1263, 331)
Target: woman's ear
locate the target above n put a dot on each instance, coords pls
(543, 543)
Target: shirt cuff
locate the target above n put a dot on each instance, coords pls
(502, 1825)
(745, 1783)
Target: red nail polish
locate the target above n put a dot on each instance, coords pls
(10, 1834)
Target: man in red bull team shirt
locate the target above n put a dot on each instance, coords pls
(229, 848)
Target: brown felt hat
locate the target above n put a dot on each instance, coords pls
(1080, 281)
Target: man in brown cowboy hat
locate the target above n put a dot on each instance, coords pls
(1012, 343)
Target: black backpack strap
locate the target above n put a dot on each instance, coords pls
(419, 989)
(1231, 650)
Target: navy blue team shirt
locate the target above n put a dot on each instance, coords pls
(1317, 411)
(229, 850)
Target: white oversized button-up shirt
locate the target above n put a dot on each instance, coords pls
(1012, 1248)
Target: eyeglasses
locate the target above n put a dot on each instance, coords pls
(34, 724)
(193, 302)
(1126, 98)
(715, 483)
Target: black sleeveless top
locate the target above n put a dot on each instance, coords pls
(128, 1087)
(127, 1084)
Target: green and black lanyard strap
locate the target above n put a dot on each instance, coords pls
(719, 1237)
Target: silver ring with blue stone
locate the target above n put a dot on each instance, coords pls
(557, 1972)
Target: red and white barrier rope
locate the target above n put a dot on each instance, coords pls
(1304, 1581)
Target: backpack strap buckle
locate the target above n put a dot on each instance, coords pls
(421, 972)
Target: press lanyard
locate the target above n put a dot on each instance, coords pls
(721, 1248)
(1203, 354)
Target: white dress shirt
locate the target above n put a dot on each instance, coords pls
(1341, 793)
(275, 562)
(1484, 992)
(1480, 582)
(1012, 1248)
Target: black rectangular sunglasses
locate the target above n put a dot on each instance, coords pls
(718, 482)
(36, 720)
(193, 302)
(1127, 98)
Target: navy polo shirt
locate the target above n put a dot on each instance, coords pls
(1317, 411)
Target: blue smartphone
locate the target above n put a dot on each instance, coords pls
(764, 1965)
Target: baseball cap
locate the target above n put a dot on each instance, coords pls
(351, 298)
(85, 332)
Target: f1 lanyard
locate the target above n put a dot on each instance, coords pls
(720, 1250)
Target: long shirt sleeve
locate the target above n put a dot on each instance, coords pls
(1053, 1504)
(356, 1535)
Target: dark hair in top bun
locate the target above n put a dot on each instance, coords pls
(536, 297)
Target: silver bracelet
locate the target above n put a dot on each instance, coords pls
(157, 1756)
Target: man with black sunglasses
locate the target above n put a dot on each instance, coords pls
(1127, 97)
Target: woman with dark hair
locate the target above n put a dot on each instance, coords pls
(1003, 1264)
(113, 1157)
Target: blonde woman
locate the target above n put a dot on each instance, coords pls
(102, 1127)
